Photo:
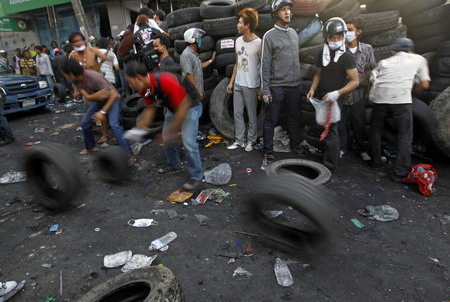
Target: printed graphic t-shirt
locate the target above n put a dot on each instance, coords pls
(249, 62)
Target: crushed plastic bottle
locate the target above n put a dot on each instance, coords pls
(283, 274)
(13, 177)
(220, 175)
(163, 241)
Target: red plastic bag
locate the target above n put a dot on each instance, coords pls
(424, 176)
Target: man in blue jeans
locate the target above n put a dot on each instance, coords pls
(6, 135)
(182, 111)
(105, 102)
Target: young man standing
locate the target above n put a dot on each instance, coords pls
(181, 113)
(149, 13)
(44, 66)
(336, 76)
(281, 80)
(246, 79)
(353, 114)
(105, 103)
(27, 64)
(161, 45)
(160, 16)
(393, 80)
(85, 55)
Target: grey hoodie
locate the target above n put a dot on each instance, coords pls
(280, 64)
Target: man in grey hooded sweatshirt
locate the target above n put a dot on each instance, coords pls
(280, 78)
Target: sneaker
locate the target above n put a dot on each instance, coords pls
(168, 169)
(193, 185)
(6, 140)
(6, 287)
(299, 151)
(341, 154)
(268, 159)
(365, 156)
(249, 147)
(235, 145)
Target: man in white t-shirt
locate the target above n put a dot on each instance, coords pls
(393, 80)
(246, 79)
(151, 22)
(110, 66)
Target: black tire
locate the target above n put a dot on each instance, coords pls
(309, 8)
(300, 23)
(207, 72)
(205, 56)
(385, 38)
(221, 27)
(229, 70)
(183, 16)
(307, 71)
(210, 83)
(441, 108)
(336, 9)
(308, 118)
(180, 46)
(354, 12)
(423, 32)
(424, 122)
(223, 60)
(314, 41)
(163, 25)
(220, 110)
(309, 55)
(429, 56)
(314, 141)
(154, 283)
(264, 10)
(177, 33)
(265, 22)
(112, 164)
(429, 44)
(59, 91)
(208, 43)
(214, 9)
(379, 22)
(310, 32)
(132, 105)
(439, 84)
(64, 167)
(306, 86)
(382, 53)
(256, 4)
(441, 67)
(434, 15)
(225, 45)
(444, 49)
(307, 170)
(385, 5)
(127, 122)
(176, 57)
(417, 6)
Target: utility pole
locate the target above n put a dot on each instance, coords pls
(81, 19)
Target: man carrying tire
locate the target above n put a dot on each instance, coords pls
(183, 109)
(335, 77)
(353, 113)
(246, 79)
(392, 80)
(281, 80)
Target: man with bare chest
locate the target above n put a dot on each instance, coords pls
(87, 56)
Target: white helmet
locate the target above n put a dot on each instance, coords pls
(193, 33)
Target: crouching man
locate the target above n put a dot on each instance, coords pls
(182, 111)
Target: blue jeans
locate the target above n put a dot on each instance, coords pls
(50, 81)
(124, 83)
(5, 131)
(189, 131)
(116, 127)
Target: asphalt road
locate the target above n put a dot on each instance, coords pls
(404, 260)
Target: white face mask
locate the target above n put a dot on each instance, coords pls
(81, 48)
(335, 45)
(350, 36)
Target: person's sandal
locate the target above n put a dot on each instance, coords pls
(103, 139)
(87, 151)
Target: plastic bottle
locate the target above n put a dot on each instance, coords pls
(163, 241)
(283, 274)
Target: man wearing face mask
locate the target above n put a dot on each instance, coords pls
(85, 55)
(336, 76)
(160, 46)
(280, 79)
(353, 113)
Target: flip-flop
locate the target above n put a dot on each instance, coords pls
(103, 139)
(86, 151)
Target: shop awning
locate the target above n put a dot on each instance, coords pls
(18, 6)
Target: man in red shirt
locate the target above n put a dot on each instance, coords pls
(182, 113)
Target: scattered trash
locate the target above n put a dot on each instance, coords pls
(213, 140)
(138, 261)
(59, 111)
(213, 132)
(67, 126)
(311, 149)
(357, 223)
(202, 219)
(159, 243)
(81, 205)
(238, 242)
(249, 250)
(233, 185)
(39, 217)
(32, 143)
(58, 231)
(382, 213)
(54, 228)
(39, 130)
(13, 177)
(282, 273)
(424, 176)
(79, 129)
(218, 195)
(280, 140)
(220, 175)
(202, 197)
(51, 298)
(248, 170)
(136, 147)
(272, 214)
(435, 260)
(231, 260)
(54, 134)
(179, 196)
(97, 229)
(142, 223)
(117, 259)
(46, 265)
(172, 213)
(241, 272)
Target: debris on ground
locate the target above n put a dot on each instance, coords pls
(272, 214)
(220, 175)
(218, 195)
(172, 213)
(39, 130)
(160, 243)
(357, 223)
(202, 219)
(13, 177)
(382, 213)
(241, 272)
(213, 140)
(424, 176)
(282, 273)
(67, 126)
(280, 140)
(179, 196)
(54, 228)
(46, 265)
(142, 223)
(202, 197)
(117, 259)
(32, 143)
(138, 261)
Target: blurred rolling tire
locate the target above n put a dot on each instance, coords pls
(127, 122)
(53, 177)
(153, 284)
(379, 22)
(213, 9)
(441, 108)
(424, 122)
(221, 27)
(112, 164)
(183, 16)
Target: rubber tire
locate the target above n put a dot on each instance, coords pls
(210, 83)
(221, 117)
(429, 44)
(205, 56)
(183, 16)
(229, 70)
(127, 122)
(177, 33)
(441, 108)
(434, 15)
(300, 23)
(385, 5)
(163, 285)
(323, 177)
(423, 32)
(424, 122)
(309, 7)
(180, 46)
(444, 49)
(59, 91)
(221, 27)
(440, 67)
(163, 25)
(309, 55)
(307, 71)
(67, 165)
(379, 22)
(265, 23)
(336, 9)
(112, 164)
(439, 84)
(264, 10)
(213, 9)
(207, 72)
(256, 4)
(310, 31)
(417, 6)
(314, 41)
(382, 53)
(226, 45)
(354, 12)
(308, 117)
(385, 38)
(132, 105)
(223, 60)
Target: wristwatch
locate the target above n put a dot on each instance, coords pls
(102, 112)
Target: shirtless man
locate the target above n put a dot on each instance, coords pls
(85, 55)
